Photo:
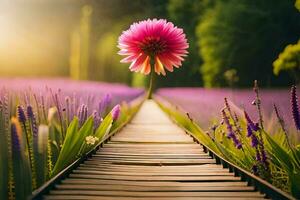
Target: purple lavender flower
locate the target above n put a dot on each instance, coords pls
(115, 112)
(82, 114)
(33, 125)
(237, 143)
(253, 126)
(104, 103)
(227, 105)
(295, 108)
(254, 140)
(97, 119)
(16, 144)
(21, 114)
(226, 121)
(263, 156)
(231, 133)
(249, 131)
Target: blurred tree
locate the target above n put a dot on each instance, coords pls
(80, 46)
(231, 77)
(289, 60)
(108, 66)
(297, 4)
(246, 34)
(186, 14)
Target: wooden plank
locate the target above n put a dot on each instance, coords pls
(205, 173)
(153, 162)
(152, 183)
(182, 167)
(165, 168)
(157, 194)
(148, 155)
(154, 171)
(169, 151)
(101, 156)
(153, 188)
(161, 146)
(82, 197)
(157, 178)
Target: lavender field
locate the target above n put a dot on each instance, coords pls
(85, 90)
(205, 105)
(46, 124)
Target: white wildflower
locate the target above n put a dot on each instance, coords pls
(43, 134)
(90, 140)
(51, 112)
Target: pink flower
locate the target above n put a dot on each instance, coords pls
(153, 41)
(115, 112)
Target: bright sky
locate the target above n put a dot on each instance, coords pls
(34, 38)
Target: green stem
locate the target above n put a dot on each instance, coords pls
(150, 85)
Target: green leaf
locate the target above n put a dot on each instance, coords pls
(63, 158)
(3, 159)
(294, 178)
(280, 154)
(231, 155)
(104, 127)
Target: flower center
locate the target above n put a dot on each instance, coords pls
(153, 45)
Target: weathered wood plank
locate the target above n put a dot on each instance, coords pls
(82, 197)
(152, 183)
(205, 173)
(153, 188)
(157, 194)
(157, 178)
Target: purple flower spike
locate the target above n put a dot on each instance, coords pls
(31, 117)
(249, 131)
(231, 133)
(104, 103)
(239, 145)
(254, 141)
(226, 121)
(295, 108)
(253, 126)
(82, 114)
(21, 114)
(30, 113)
(97, 119)
(16, 145)
(263, 156)
(115, 112)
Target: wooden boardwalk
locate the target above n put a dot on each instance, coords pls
(152, 158)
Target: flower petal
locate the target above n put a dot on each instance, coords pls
(137, 64)
(158, 67)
